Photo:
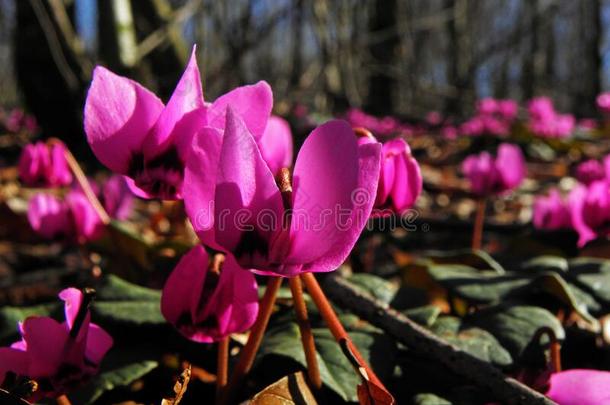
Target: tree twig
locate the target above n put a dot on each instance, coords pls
(503, 388)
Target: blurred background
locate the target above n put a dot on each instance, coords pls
(389, 57)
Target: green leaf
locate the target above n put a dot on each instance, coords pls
(123, 302)
(472, 340)
(375, 286)
(430, 399)
(546, 263)
(484, 287)
(515, 326)
(116, 289)
(593, 275)
(109, 380)
(477, 259)
(425, 315)
(283, 339)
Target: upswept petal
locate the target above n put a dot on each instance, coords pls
(253, 103)
(331, 193)
(199, 186)
(244, 296)
(186, 104)
(245, 192)
(14, 360)
(580, 387)
(510, 165)
(119, 113)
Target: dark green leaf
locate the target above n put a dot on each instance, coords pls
(515, 326)
(477, 259)
(430, 399)
(375, 286)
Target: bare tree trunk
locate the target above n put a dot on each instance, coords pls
(588, 66)
(382, 23)
(459, 63)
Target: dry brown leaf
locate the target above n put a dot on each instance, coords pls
(291, 389)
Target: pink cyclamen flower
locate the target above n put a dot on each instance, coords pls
(236, 206)
(487, 106)
(589, 171)
(59, 356)
(492, 176)
(49, 216)
(276, 144)
(86, 222)
(508, 109)
(43, 165)
(551, 212)
(400, 179)
(590, 210)
(117, 198)
(603, 103)
(205, 306)
(580, 387)
(133, 133)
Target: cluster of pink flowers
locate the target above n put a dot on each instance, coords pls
(546, 122)
(381, 126)
(488, 175)
(73, 218)
(59, 356)
(16, 120)
(228, 160)
(493, 117)
(43, 165)
(586, 209)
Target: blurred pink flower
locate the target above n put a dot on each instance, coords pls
(492, 176)
(603, 103)
(43, 165)
(589, 171)
(117, 198)
(551, 212)
(49, 216)
(400, 179)
(59, 356)
(580, 387)
(133, 133)
(590, 210)
(236, 206)
(205, 306)
(544, 121)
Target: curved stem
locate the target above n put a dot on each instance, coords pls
(82, 181)
(309, 347)
(554, 346)
(479, 220)
(341, 336)
(246, 358)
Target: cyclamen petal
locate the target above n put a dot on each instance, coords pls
(253, 103)
(119, 113)
(551, 212)
(580, 387)
(206, 307)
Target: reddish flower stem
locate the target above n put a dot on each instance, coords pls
(63, 400)
(333, 323)
(83, 182)
(362, 132)
(479, 220)
(309, 347)
(222, 367)
(246, 358)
